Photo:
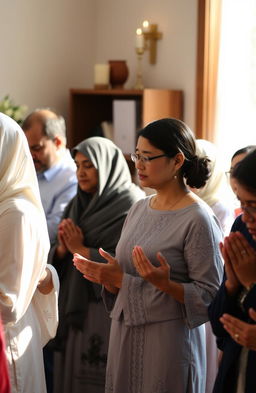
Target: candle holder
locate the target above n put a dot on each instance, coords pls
(147, 37)
(139, 81)
(151, 36)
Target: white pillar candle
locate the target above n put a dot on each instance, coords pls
(139, 39)
(101, 75)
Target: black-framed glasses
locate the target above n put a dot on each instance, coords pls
(251, 210)
(136, 157)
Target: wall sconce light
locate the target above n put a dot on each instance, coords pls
(147, 37)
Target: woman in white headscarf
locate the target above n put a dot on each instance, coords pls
(28, 288)
(216, 192)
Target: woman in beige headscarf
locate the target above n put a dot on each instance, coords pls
(28, 290)
(216, 193)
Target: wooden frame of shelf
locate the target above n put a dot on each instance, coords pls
(89, 107)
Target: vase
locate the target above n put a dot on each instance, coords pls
(118, 73)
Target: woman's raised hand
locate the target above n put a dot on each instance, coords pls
(61, 249)
(232, 283)
(108, 274)
(241, 332)
(158, 276)
(243, 259)
(71, 235)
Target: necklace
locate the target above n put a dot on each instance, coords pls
(169, 207)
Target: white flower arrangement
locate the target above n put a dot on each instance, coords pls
(16, 112)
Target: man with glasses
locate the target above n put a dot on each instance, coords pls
(46, 135)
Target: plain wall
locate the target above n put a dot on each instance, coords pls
(51, 46)
(46, 48)
(117, 21)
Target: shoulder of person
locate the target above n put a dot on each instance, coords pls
(223, 208)
(203, 213)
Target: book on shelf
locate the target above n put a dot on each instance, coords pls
(125, 124)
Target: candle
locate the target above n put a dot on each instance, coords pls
(145, 26)
(139, 39)
(101, 76)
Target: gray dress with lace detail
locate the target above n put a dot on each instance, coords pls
(157, 345)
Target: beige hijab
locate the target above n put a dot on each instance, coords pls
(216, 188)
(17, 172)
(24, 241)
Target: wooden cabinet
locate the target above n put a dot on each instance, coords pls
(89, 107)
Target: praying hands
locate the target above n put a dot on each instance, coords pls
(240, 262)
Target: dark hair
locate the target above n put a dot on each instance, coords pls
(246, 149)
(245, 170)
(173, 136)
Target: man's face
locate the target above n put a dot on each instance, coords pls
(43, 149)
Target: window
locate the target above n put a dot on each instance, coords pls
(226, 80)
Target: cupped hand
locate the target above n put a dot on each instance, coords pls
(108, 274)
(241, 332)
(158, 276)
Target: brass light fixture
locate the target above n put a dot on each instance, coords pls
(146, 39)
(151, 35)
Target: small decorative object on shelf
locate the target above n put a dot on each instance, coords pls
(118, 73)
(101, 76)
(16, 112)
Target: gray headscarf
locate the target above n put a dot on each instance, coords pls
(101, 217)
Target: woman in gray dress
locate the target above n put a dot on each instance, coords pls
(166, 271)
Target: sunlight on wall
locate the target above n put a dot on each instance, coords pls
(236, 97)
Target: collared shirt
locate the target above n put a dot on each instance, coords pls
(58, 185)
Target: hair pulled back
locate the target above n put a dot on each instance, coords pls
(243, 150)
(244, 172)
(173, 136)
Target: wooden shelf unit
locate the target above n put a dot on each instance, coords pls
(89, 107)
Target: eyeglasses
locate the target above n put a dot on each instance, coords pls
(249, 210)
(136, 157)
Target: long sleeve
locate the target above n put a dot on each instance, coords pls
(205, 270)
(22, 263)
(46, 309)
(223, 303)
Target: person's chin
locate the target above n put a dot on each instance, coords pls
(145, 183)
(84, 186)
(39, 167)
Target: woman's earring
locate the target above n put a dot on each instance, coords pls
(175, 177)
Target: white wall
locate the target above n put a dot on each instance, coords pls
(46, 48)
(50, 46)
(116, 24)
